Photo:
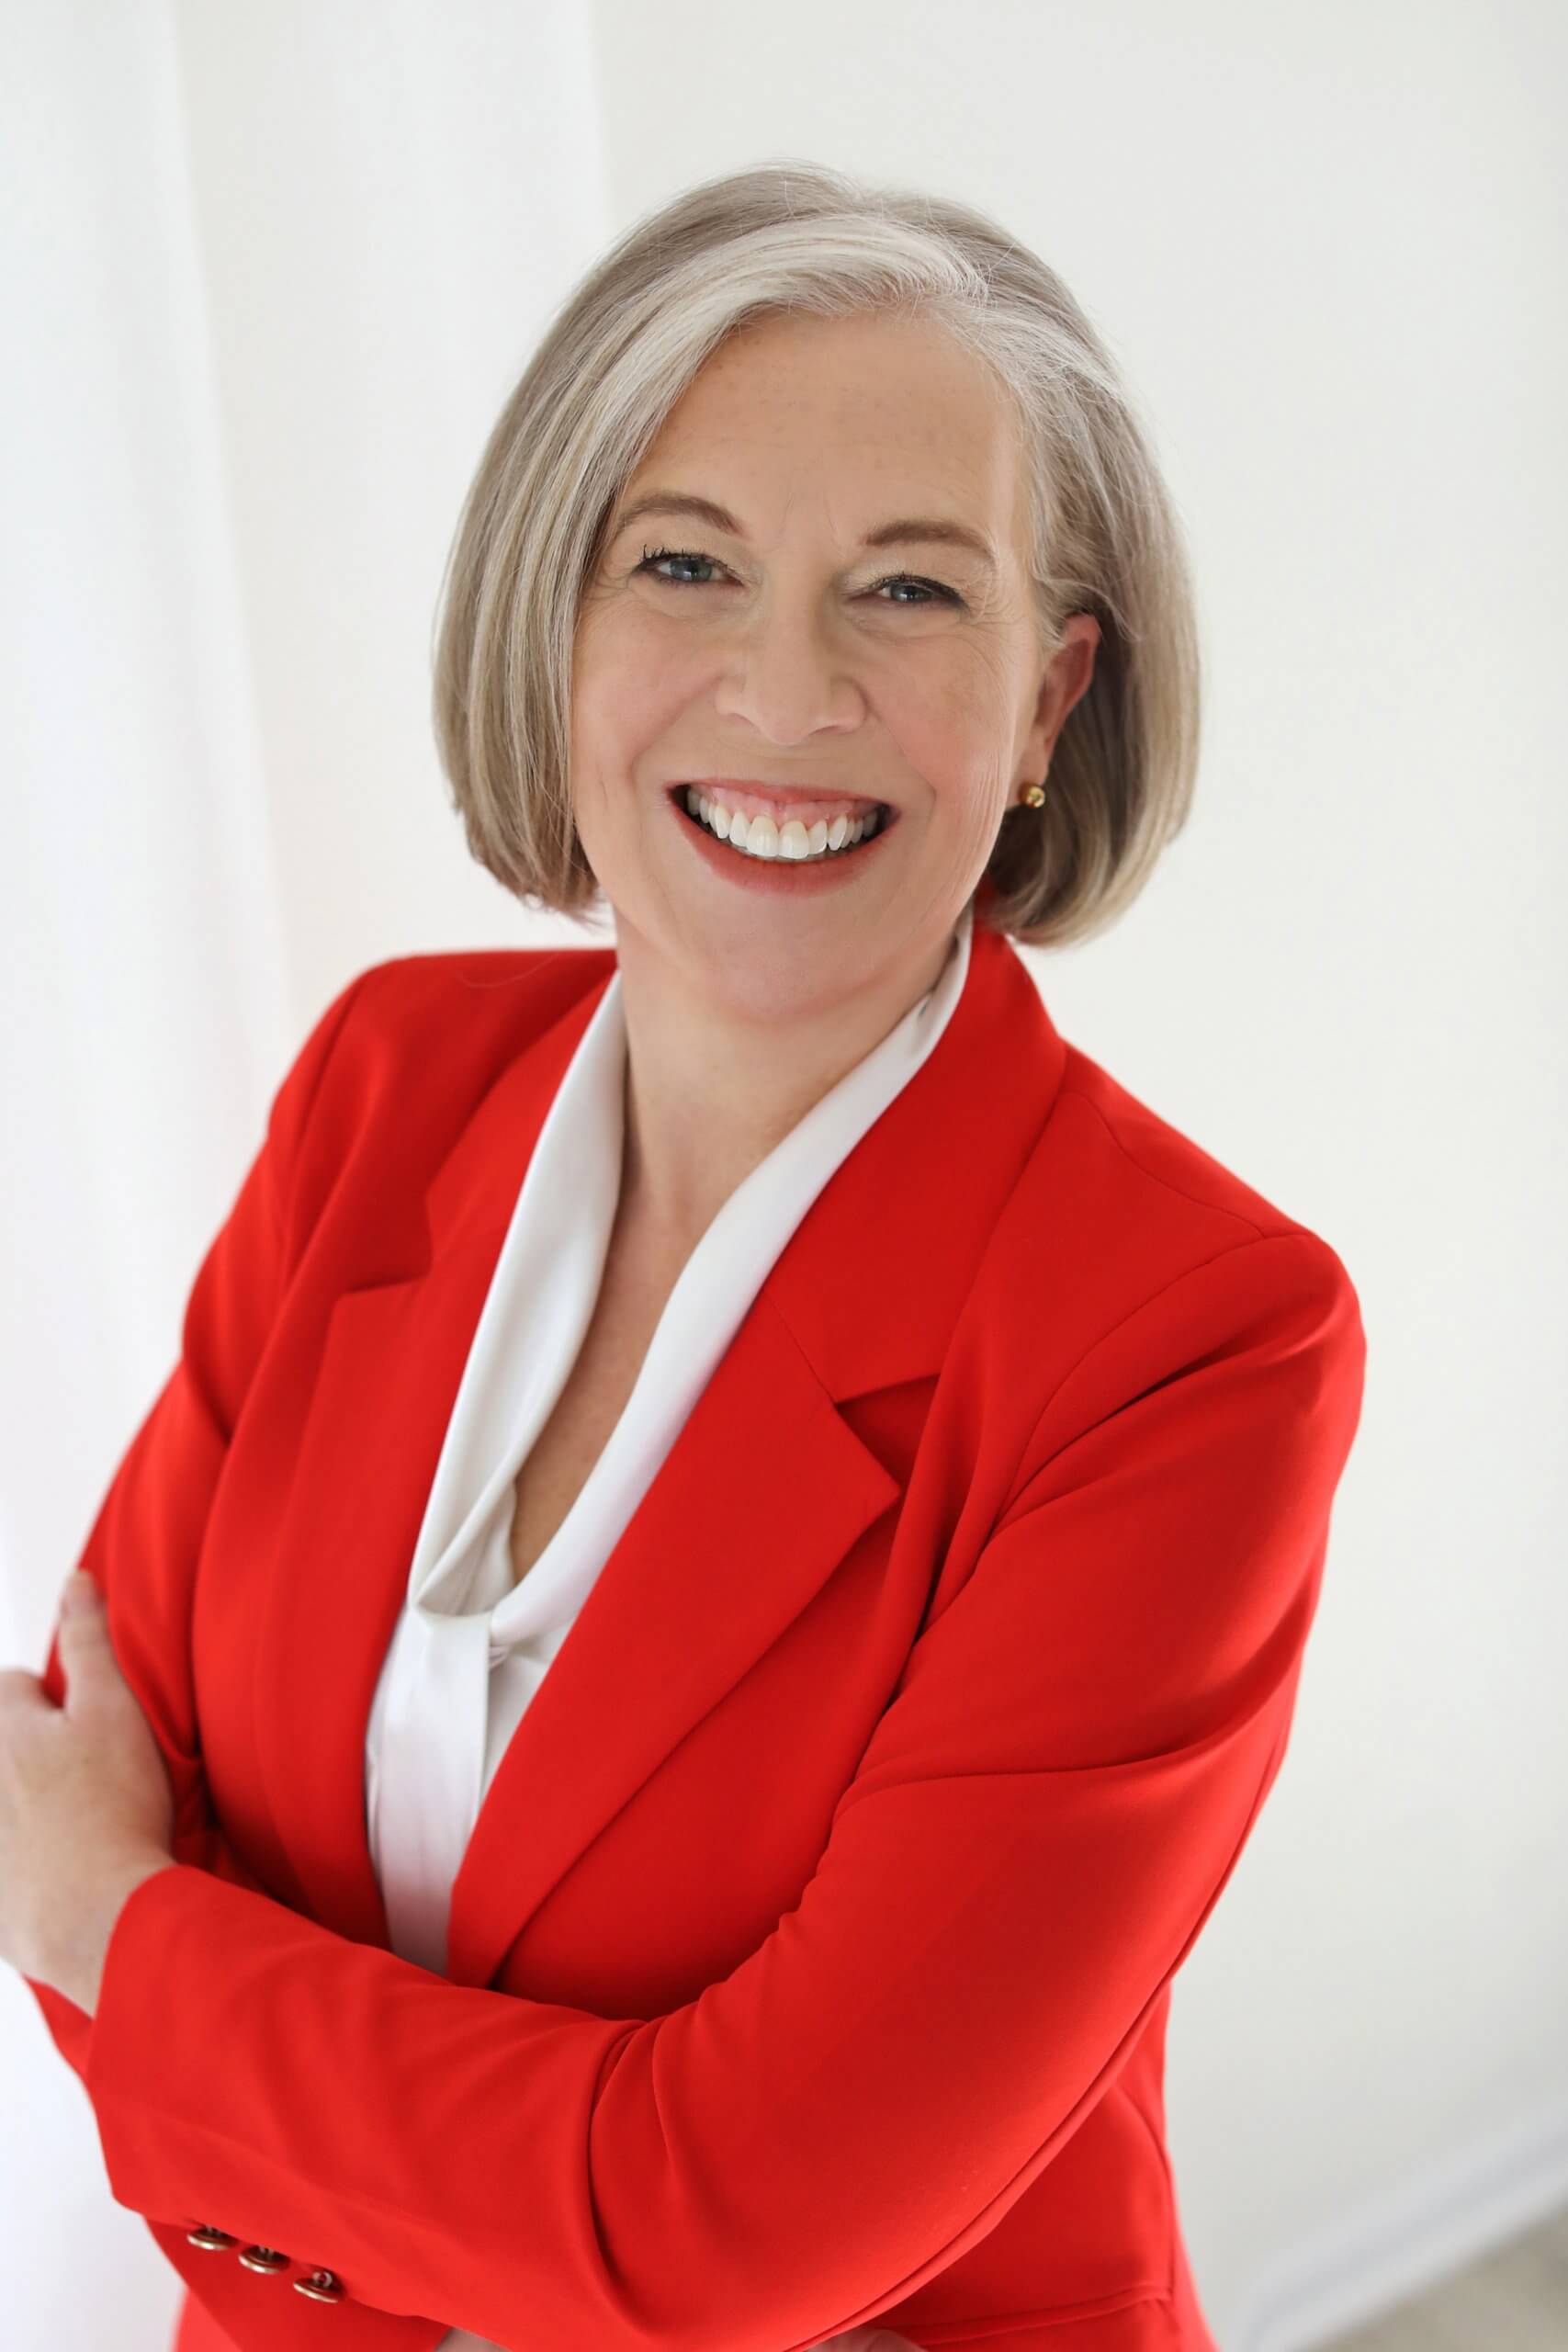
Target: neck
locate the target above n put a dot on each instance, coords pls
(710, 1091)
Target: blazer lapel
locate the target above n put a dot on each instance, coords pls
(764, 1492)
(383, 1385)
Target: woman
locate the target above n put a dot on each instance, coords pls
(722, 1573)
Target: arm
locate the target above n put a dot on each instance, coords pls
(144, 1556)
(1040, 1825)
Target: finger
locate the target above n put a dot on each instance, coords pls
(85, 1650)
(80, 1596)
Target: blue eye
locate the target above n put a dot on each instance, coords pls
(929, 588)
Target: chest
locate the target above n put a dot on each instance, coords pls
(632, 1296)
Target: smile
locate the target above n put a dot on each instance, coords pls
(777, 868)
(794, 842)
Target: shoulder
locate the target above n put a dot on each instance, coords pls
(1141, 1267)
(1143, 1159)
(1127, 1217)
(409, 1018)
(518, 989)
(408, 1047)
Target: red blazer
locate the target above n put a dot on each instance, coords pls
(811, 1957)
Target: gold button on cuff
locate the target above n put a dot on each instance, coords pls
(203, 2234)
(263, 2257)
(321, 2286)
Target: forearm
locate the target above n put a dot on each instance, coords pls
(204, 1848)
(72, 1952)
(810, 2140)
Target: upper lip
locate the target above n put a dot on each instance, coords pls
(781, 792)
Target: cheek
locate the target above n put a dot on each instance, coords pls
(971, 738)
(978, 812)
(957, 756)
(632, 690)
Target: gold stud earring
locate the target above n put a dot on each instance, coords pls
(1032, 796)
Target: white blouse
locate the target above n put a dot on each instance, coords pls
(472, 1646)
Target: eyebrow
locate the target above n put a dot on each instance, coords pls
(931, 529)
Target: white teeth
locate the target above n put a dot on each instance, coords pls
(760, 837)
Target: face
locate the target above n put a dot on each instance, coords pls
(781, 651)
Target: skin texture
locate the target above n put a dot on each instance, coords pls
(781, 657)
(87, 1812)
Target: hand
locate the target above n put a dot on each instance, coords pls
(87, 1810)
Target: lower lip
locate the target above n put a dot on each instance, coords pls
(789, 876)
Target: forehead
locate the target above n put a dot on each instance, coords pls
(863, 411)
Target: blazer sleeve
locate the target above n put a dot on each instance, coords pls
(144, 1545)
(1042, 1822)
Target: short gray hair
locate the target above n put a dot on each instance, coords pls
(619, 354)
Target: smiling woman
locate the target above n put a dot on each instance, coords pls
(721, 1578)
(793, 666)
(792, 367)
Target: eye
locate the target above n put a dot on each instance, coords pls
(930, 589)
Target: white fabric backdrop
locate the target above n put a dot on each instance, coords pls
(240, 268)
(265, 275)
(145, 1000)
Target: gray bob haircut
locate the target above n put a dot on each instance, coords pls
(794, 236)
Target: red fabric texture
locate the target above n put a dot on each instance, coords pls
(811, 1960)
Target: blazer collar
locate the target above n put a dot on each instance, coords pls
(919, 1193)
(865, 1293)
